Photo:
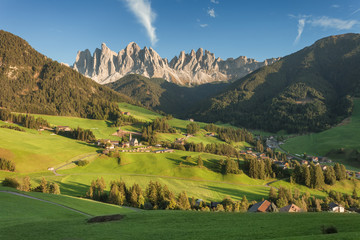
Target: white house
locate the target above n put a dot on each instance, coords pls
(333, 207)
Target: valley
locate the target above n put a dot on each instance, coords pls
(169, 144)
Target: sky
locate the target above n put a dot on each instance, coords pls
(229, 28)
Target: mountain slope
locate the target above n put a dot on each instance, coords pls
(309, 90)
(159, 94)
(31, 82)
(195, 68)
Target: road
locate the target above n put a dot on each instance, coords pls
(81, 158)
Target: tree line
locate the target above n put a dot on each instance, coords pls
(231, 134)
(78, 133)
(27, 121)
(25, 185)
(314, 177)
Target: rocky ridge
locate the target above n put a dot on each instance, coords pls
(195, 68)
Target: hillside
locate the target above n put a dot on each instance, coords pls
(309, 90)
(339, 143)
(162, 95)
(31, 82)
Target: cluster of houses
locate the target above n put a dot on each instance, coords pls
(267, 206)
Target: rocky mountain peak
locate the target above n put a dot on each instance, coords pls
(192, 68)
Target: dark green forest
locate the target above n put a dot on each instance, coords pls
(32, 83)
(307, 91)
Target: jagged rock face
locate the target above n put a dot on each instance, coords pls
(199, 67)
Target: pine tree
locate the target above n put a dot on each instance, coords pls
(26, 184)
(307, 176)
(44, 186)
(133, 197)
(330, 177)
(272, 194)
(183, 201)
(200, 162)
(338, 173)
(319, 177)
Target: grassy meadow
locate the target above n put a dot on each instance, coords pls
(34, 151)
(22, 218)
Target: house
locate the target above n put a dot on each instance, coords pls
(126, 113)
(133, 141)
(198, 202)
(263, 206)
(214, 204)
(191, 120)
(290, 208)
(115, 143)
(210, 134)
(333, 207)
(304, 162)
(164, 151)
(125, 144)
(64, 128)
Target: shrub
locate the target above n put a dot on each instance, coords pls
(10, 182)
(82, 163)
(7, 165)
(329, 230)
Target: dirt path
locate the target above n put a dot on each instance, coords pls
(42, 200)
(81, 158)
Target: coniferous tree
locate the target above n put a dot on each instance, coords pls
(200, 162)
(319, 177)
(330, 177)
(44, 185)
(272, 194)
(183, 201)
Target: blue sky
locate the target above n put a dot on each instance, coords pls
(229, 28)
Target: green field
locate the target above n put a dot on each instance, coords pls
(22, 218)
(165, 168)
(35, 151)
(319, 144)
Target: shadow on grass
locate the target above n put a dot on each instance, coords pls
(74, 189)
(238, 194)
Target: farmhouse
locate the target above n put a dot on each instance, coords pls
(64, 128)
(164, 151)
(264, 206)
(333, 207)
(290, 208)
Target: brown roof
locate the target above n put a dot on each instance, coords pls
(260, 206)
(290, 208)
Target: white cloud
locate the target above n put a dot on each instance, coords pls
(214, 1)
(145, 15)
(336, 23)
(357, 10)
(335, 6)
(203, 25)
(322, 22)
(301, 25)
(211, 12)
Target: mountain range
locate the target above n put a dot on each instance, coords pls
(105, 66)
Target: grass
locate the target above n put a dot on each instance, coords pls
(100, 128)
(139, 112)
(33, 151)
(141, 168)
(319, 144)
(22, 218)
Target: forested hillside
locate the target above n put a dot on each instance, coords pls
(31, 82)
(159, 94)
(309, 90)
